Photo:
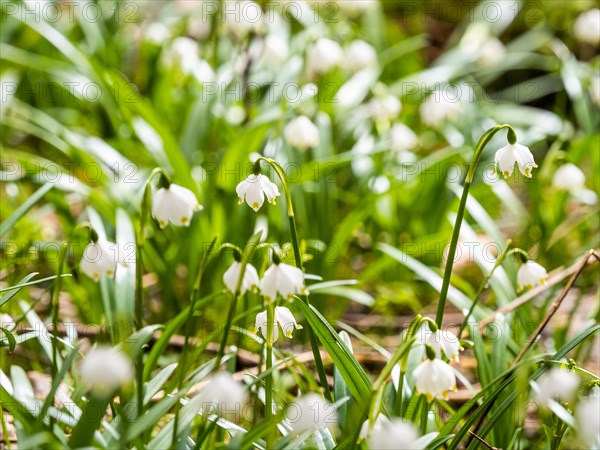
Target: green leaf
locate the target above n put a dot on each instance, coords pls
(24, 208)
(9, 338)
(350, 369)
(125, 276)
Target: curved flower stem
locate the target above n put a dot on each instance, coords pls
(139, 285)
(269, 377)
(483, 284)
(236, 296)
(298, 258)
(483, 141)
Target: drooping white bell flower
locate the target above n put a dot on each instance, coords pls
(311, 412)
(377, 427)
(384, 108)
(99, 259)
(232, 275)
(283, 318)
(402, 138)
(512, 154)
(446, 341)
(301, 133)
(174, 204)
(530, 275)
(569, 177)
(275, 49)
(323, 56)
(254, 189)
(284, 280)
(221, 395)
(587, 416)
(587, 27)
(104, 370)
(359, 55)
(242, 17)
(393, 435)
(434, 377)
(556, 384)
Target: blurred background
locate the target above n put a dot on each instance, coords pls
(97, 94)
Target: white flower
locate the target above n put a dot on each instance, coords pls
(587, 27)
(323, 56)
(384, 108)
(556, 384)
(434, 377)
(311, 412)
(530, 275)
(446, 341)
(254, 189)
(242, 17)
(402, 138)
(174, 204)
(99, 259)
(301, 133)
(569, 178)
(232, 275)
(359, 55)
(393, 435)
(6, 321)
(220, 395)
(442, 105)
(104, 370)
(275, 49)
(491, 52)
(283, 279)
(512, 154)
(587, 415)
(283, 317)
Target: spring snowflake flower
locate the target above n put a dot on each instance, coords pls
(434, 377)
(232, 275)
(311, 412)
(556, 384)
(512, 154)
(402, 138)
(275, 49)
(104, 370)
(440, 341)
(587, 27)
(242, 17)
(283, 317)
(254, 189)
(587, 415)
(323, 56)
(359, 55)
(301, 133)
(99, 259)
(393, 435)
(384, 108)
(530, 275)
(174, 204)
(284, 280)
(220, 395)
(569, 177)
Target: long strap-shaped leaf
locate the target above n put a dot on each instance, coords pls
(352, 372)
(24, 208)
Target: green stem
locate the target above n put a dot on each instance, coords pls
(425, 415)
(485, 139)
(314, 343)
(398, 403)
(269, 377)
(482, 287)
(139, 286)
(56, 308)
